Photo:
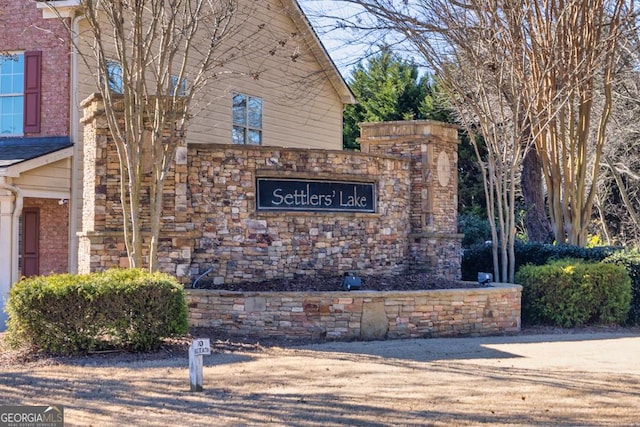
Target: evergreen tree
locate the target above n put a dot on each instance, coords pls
(389, 88)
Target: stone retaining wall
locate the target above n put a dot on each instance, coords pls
(360, 314)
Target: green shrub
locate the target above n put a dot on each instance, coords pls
(478, 258)
(572, 293)
(67, 313)
(630, 260)
(476, 229)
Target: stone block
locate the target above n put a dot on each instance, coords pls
(374, 324)
(255, 304)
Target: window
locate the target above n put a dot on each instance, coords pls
(11, 94)
(181, 89)
(114, 76)
(20, 93)
(247, 120)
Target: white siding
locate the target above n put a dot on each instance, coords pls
(55, 178)
(301, 108)
(272, 61)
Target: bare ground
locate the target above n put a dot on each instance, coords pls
(587, 377)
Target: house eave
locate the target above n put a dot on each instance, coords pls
(52, 9)
(15, 170)
(321, 55)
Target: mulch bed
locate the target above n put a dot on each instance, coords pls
(407, 282)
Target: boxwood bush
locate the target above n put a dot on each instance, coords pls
(129, 309)
(573, 293)
(630, 260)
(478, 258)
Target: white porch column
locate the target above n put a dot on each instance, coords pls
(7, 205)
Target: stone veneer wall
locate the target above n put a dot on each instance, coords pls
(432, 148)
(359, 314)
(210, 218)
(244, 244)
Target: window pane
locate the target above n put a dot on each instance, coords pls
(255, 137)
(182, 89)
(237, 135)
(18, 83)
(114, 77)
(18, 63)
(5, 124)
(239, 109)
(5, 84)
(6, 64)
(11, 115)
(255, 112)
(18, 105)
(11, 74)
(5, 104)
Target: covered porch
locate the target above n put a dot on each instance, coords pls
(35, 210)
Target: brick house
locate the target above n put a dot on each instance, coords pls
(42, 85)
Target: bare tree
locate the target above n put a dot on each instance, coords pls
(573, 57)
(151, 60)
(530, 71)
(166, 53)
(619, 183)
(479, 63)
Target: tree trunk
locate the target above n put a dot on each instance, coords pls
(536, 219)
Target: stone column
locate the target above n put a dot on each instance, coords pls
(101, 241)
(434, 245)
(94, 253)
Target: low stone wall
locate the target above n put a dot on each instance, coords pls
(362, 315)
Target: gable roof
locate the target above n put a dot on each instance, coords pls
(320, 53)
(301, 22)
(21, 154)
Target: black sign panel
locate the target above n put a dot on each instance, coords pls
(315, 195)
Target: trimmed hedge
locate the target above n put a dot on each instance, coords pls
(630, 260)
(478, 258)
(130, 309)
(573, 293)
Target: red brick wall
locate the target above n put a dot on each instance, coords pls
(22, 28)
(54, 234)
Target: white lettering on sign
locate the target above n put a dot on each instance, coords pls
(315, 195)
(201, 346)
(302, 198)
(353, 200)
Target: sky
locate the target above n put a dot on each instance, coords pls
(345, 46)
(341, 44)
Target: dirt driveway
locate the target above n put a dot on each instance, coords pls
(578, 379)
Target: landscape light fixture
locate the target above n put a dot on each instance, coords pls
(485, 278)
(351, 282)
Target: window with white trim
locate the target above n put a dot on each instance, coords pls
(20, 92)
(247, 119)
(11, 94)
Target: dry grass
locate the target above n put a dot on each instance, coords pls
(589, 378)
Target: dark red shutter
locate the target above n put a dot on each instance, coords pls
(30, 242)
(32, 66)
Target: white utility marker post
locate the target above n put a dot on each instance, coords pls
(198, 348)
